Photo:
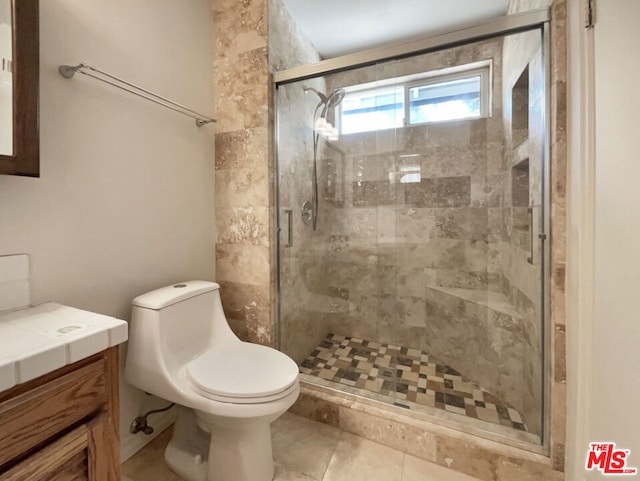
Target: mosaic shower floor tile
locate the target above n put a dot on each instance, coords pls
(406, 377)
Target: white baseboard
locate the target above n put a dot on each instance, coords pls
(132, 443)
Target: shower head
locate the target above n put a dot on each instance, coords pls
(336, 97)
(330, 101)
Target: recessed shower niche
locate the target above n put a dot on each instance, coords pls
(520, 108)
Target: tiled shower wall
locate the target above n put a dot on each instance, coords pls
(424, 264)
(524, 101)
(300, 327)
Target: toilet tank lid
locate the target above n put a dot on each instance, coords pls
(166, 296)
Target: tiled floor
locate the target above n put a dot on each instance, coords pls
(406, 377)
(308, 451)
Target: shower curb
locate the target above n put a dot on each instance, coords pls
(485, 459)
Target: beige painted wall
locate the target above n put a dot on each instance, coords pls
(617, 263)
(124, 203)
(604, 231)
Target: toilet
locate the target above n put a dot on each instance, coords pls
(228, 392)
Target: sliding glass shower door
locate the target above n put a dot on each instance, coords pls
(421, 283)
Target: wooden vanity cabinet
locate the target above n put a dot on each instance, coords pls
(63, 426)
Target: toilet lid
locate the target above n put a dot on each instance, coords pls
(243, 370)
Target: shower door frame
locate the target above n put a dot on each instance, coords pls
(507, 25)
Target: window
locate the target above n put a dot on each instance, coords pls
(372, 109)
(452, 94)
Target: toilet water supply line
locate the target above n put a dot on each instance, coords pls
(140, 423)
(324, 128)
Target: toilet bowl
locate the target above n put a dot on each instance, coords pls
(228, 391)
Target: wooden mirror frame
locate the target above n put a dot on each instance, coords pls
(26, 78)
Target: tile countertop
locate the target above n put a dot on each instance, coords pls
(37, 340)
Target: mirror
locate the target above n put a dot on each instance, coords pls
(19, 80)
(6, 80)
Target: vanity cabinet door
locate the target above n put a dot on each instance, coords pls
(32, 418)
(65, 459)
(81, 455)
(63, 426)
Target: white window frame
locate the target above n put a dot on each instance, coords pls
(485, 104)
(476, 69)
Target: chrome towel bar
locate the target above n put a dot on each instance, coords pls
(68, 71)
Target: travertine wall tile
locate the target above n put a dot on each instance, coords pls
(439, 192)
(243, 238)
(389, 432)
(242, 225)
(558, 160)
(510, 470)
(559, 354)
(242, 149)
(242, 87)
(383, 431)
(243, 264)
(244, 302)
(316, 409)
(466, 458)
(237, 188)
(239, 26)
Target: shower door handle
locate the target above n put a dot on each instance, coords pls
(289, 213)
(531, 247)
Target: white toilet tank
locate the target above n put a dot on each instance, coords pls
(170, 327)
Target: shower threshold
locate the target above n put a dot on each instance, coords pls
(407, 378)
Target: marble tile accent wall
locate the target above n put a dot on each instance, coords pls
(248, 46)
(242, 188)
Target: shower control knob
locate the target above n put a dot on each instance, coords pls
(306, 212)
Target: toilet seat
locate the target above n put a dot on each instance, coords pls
(243, 373)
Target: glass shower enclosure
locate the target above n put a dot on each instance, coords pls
(411, 217)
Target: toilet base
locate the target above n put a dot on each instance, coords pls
(235, 449)
(240, 449)
(188, 451)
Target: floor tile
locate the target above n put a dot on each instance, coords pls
(148, 463)
(303, 446)
(309, 451)
(416, 469)
(358, 459)
(283, 474)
